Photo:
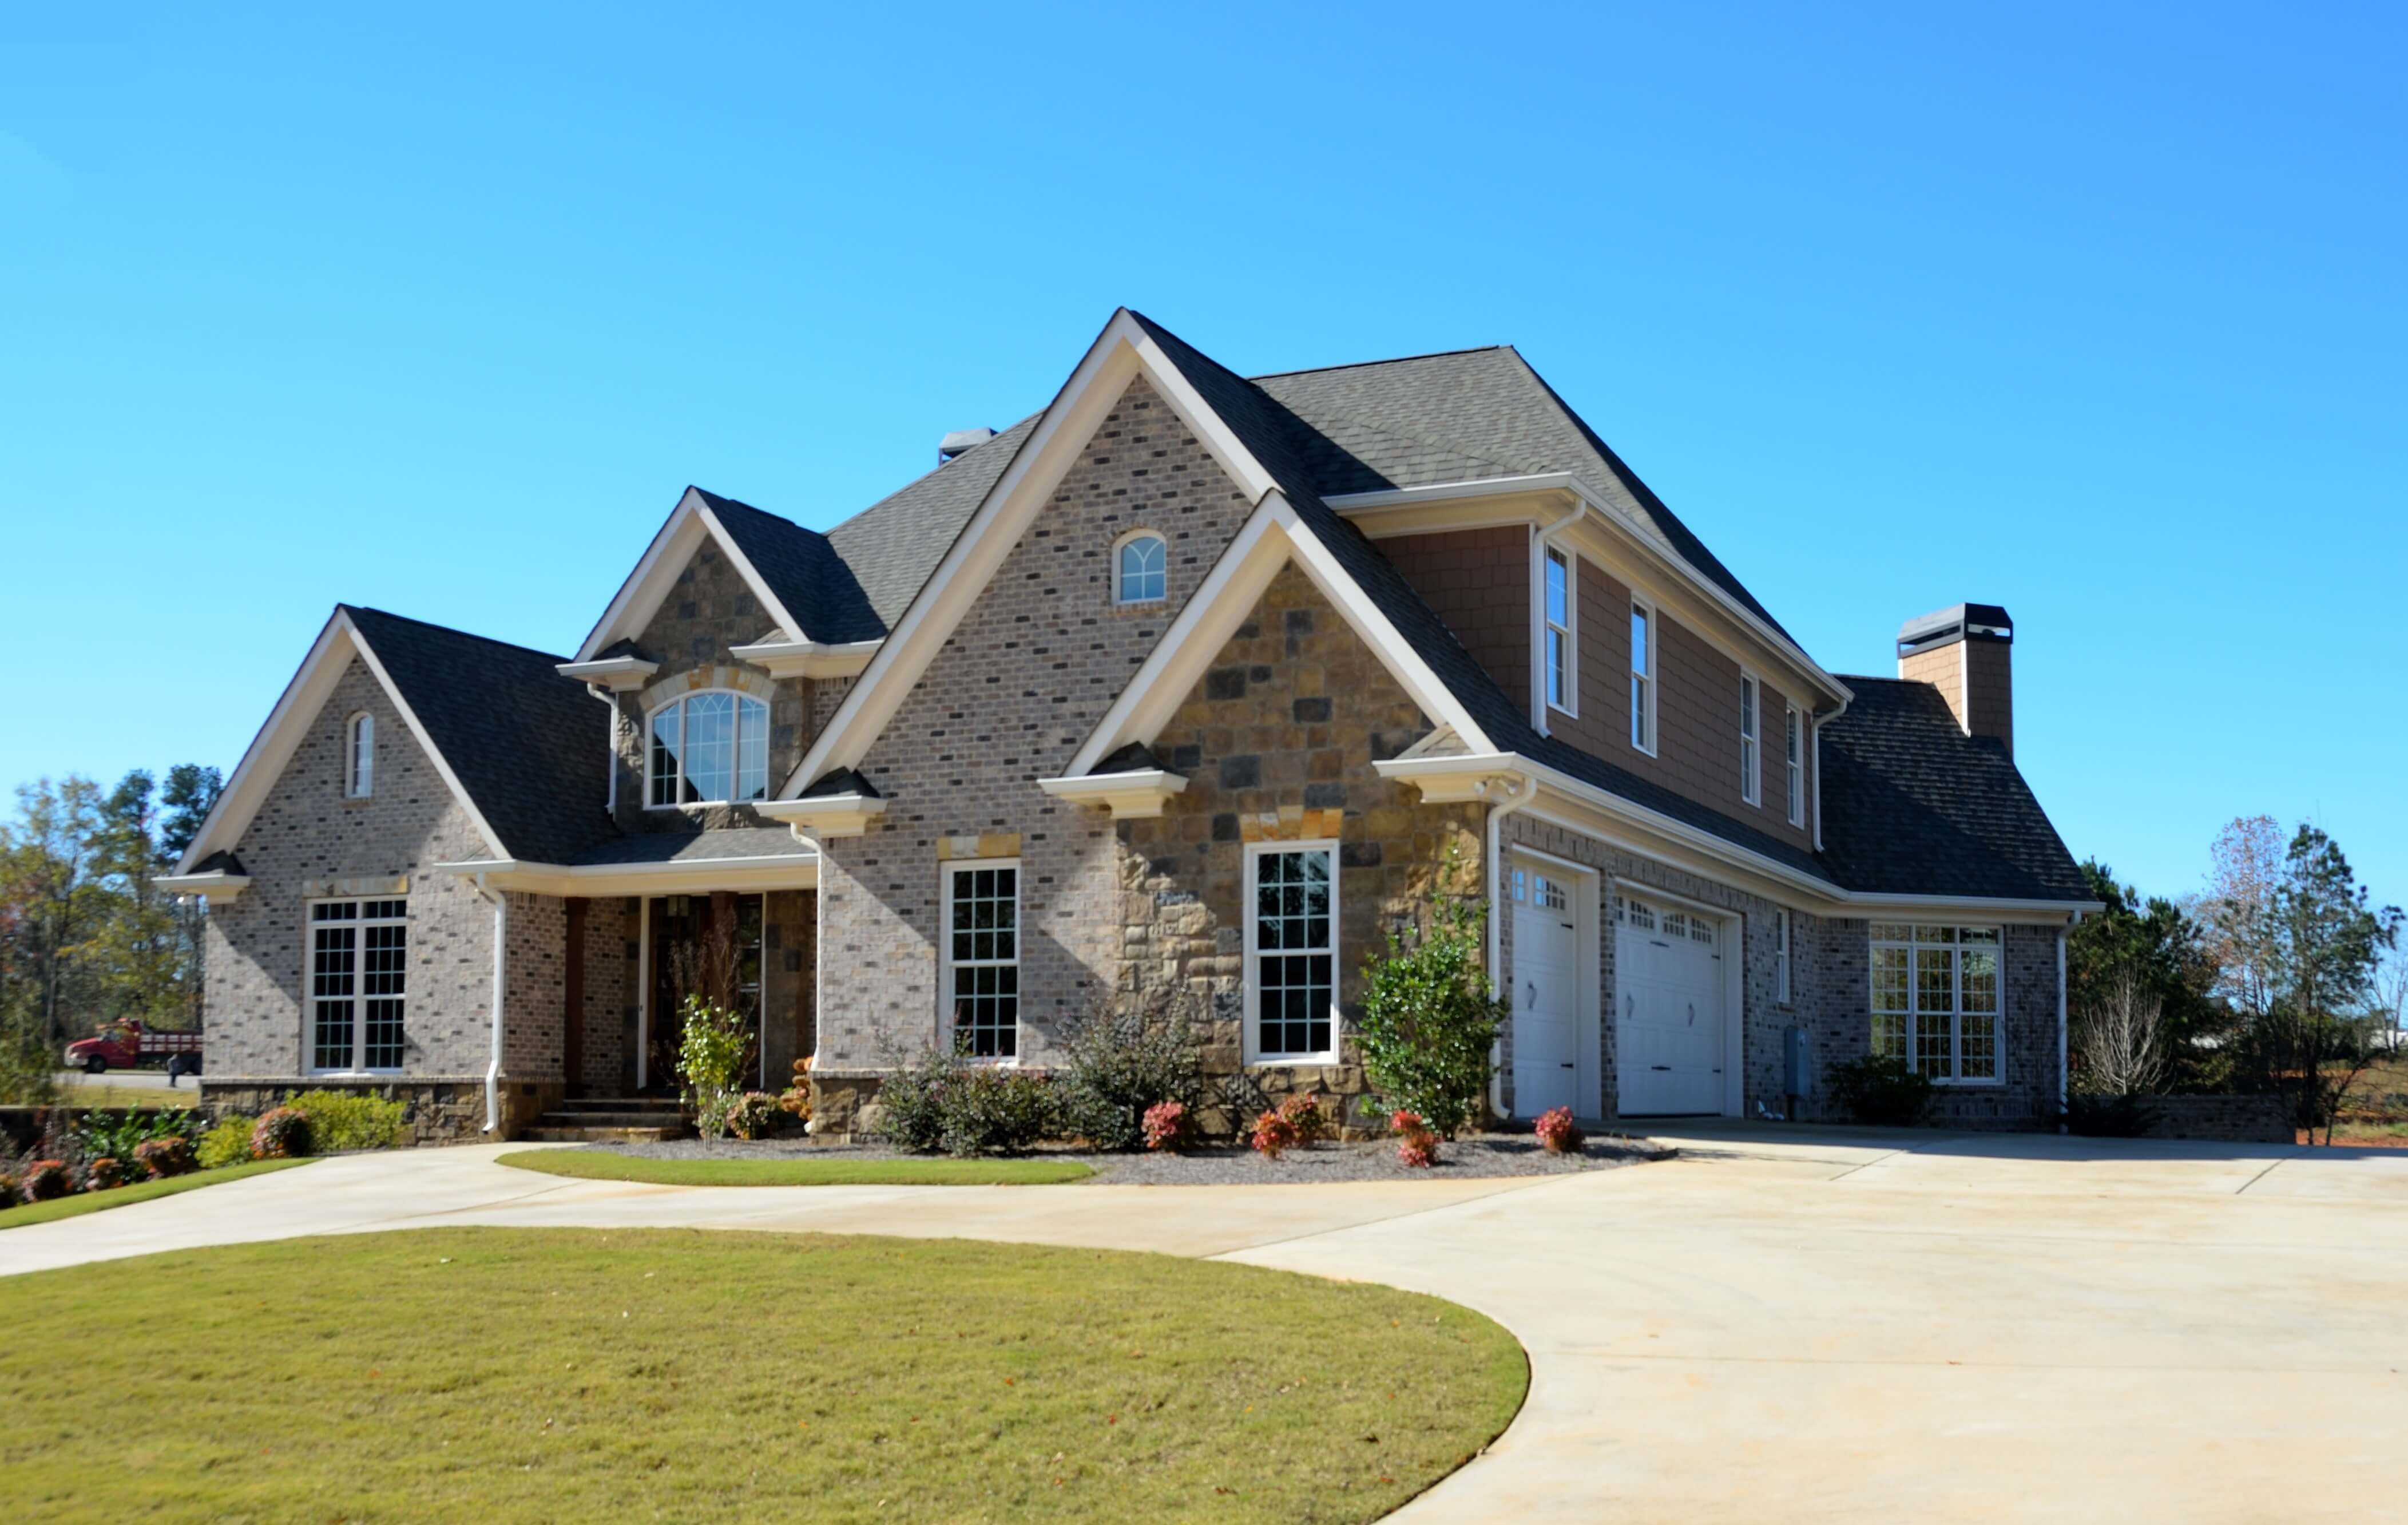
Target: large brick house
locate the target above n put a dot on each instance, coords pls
(1190, 682)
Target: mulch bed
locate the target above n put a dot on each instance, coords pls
(1471, 1157)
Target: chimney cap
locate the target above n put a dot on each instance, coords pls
(1957, 622)
(960, 441)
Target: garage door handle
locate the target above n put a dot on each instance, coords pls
(1532, 998)
(1568, 1064)
(1693, 1014)
(1663, 1067)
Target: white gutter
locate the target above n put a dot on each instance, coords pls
(501, 954)
(1493, 873)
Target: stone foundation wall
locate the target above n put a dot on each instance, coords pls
(445, 1109)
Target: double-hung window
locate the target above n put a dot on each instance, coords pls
(1936, 1000)
(1561, 675)
(1291, 951)
(981, 972)
(359, 964)
(1751, 745)
(711, 748)
(1795, 739)
(1781, 957)
(1642, 677)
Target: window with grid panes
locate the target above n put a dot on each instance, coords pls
(359, 958)
(1291, 953)
(983, 957)
(1936, 998)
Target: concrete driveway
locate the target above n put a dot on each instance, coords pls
(1781, 1324)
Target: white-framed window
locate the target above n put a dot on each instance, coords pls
(1751, 740)
(1793, 732)
(1562, 651)
(1936, 1000)
(1642, 676)
(982, 973)
(359, 967)
(711, 747)
(1781, 957)
(1140, 569)
(359, 755)
(1291, 985)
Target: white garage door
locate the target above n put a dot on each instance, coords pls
(1667, 1010)
(1546, 995)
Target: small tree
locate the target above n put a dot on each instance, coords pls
(2119, 1037)
(1429, 1020)
(711, 1051)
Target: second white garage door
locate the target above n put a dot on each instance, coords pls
(1667, 1010)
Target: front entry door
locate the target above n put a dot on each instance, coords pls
(1667, 1010)
(699, 942)
(1546, 994)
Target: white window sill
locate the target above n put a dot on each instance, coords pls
(1969, 1084)
(1290, 1061)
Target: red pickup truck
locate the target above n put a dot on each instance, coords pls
(127, 1043)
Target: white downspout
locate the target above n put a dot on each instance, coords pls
(1493, 870)
(2064, 1075)
(1818, 722)
(610, 747)
(501, 958)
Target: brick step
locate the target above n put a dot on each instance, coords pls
(550, 1133)
(664, 1105)
(631, 1118)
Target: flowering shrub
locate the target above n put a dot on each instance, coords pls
(228, 1143)
(795, 1099)
(45, 1180)
(281, 1134)
(1559, 1133)
(753, 1116)
(104, 1173)
(1273, 1135)
(1168, 1126)
(1302, 1111)
(1417, 1142)
(163, 1158)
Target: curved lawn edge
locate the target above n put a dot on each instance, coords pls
(605, 1165)
(141, 1191)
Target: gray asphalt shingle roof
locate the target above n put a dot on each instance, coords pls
(806, 572)
(643, 847)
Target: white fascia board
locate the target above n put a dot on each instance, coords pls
(808, 658)
(1273, 537)
(263, 764)
(1450, 779)
(1120, 353)
(1369, 504)
(617, 673)
(1871, 903)
(824, 816)
(640, 598)
(583, 880)
(1138, 794)
(214, 887)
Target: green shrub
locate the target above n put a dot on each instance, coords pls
(911, 1101)
(120, 1135)
(1881, 1092)
(340, 1120)
(1428, 1021)
(711, 1052)
(281, 1134)
(755, 1115)
(227, 1143)
(163, 1158)
(1123, 1059)
(989, 1110)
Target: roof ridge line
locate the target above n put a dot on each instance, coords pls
(1361, 364)
(447, 629)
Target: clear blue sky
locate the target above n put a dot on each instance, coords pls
(2094, 312)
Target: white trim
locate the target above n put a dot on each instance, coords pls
(1793, 752)
(1729, 989)
(359, 761)
(807, 659)
(745, 875)
(501, 993)
(1957, 1012)
(1120, 597)
(1568, 704)
(1130, 796)
(1781, 930)
(1643, 698)
(1588, 1014)
(825, 815)
(1272, 538)
(1250, 1017)
(1121, 352)
(1751, 737)
(296, 709)
(359, 997)
(1350, 504)
(947, 873)
(616, 673)
(640, 596)
(735, 741)
(216, 888)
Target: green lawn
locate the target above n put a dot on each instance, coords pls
(505, 1375)
(790, 1171)
(101, 1202)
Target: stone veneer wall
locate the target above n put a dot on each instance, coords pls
(709, 610)
(1033, 665)
(1278, 742)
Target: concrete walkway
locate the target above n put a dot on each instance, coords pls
(1781, 1324)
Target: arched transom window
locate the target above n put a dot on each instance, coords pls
(710, 748)
(1142, 570)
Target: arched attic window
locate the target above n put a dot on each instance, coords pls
(1140, 569)
(708, 748)
(359, 761)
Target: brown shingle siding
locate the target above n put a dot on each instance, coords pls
(1478, 581)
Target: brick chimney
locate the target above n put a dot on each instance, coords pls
(1967, 652)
